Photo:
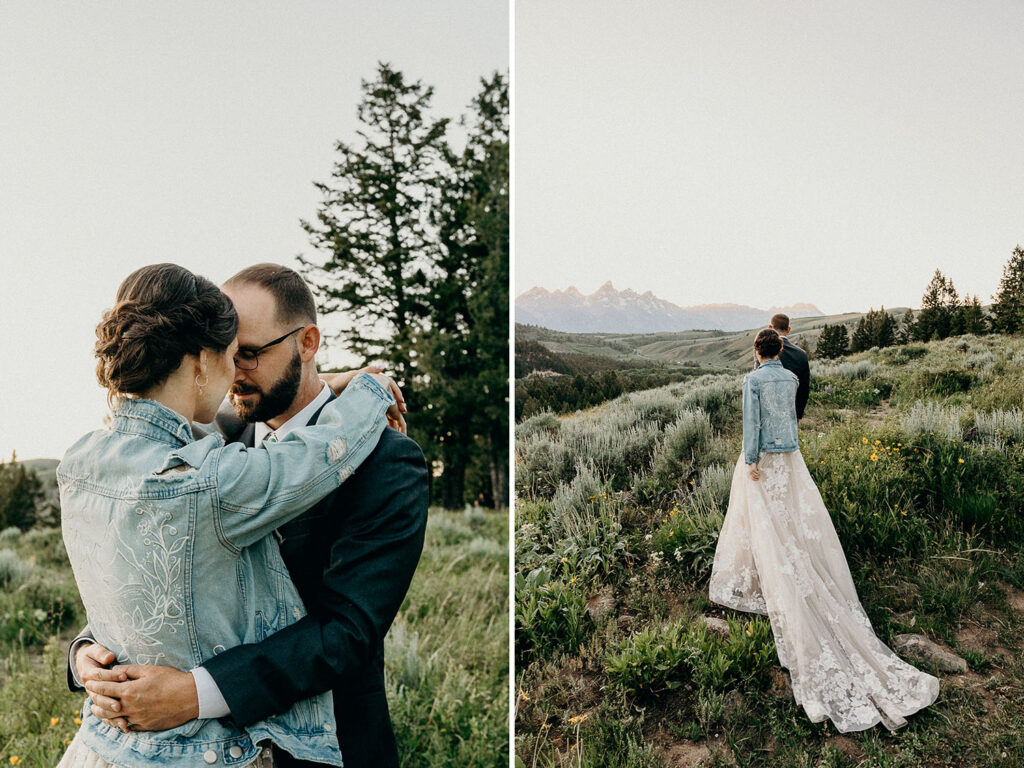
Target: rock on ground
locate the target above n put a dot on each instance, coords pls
(716, 626)
(921, 647)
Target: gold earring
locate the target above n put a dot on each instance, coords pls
(206, 380)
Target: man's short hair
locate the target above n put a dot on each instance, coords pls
(780, 322)
(294, 299)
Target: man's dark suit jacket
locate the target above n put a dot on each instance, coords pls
(795, 359)
(352, 557)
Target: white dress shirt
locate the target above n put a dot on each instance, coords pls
(211, 700)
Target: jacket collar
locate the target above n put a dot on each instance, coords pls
(139, 416)
(770, 362)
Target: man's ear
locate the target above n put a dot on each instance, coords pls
(309, 343)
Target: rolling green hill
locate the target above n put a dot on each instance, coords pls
(709, 349)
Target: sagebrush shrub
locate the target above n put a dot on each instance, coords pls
(679, 450)
(930, 418)
(13, 570)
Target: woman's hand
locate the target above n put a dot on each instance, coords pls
(755, 473)
(338, 381)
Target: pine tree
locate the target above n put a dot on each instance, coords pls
(907, 332)
(939, 306)
(1008, 303)
(372, 224)
(20, 490)
(834, 342)
(972, 317)
(861, 339)
(884, 327)
(464, 349)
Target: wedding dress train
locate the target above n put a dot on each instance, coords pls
(778, 554)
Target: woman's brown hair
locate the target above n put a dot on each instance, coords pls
(768, 343)
(162, 313)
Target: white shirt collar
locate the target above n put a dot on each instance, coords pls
(300, 419)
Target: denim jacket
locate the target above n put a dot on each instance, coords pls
(169, 541)
(769, 411)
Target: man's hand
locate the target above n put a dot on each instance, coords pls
(142, 697)
(90, 657)
(755, 473)
(338, 381)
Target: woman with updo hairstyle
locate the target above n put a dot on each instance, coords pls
(170, 536)
(778, 555)
(767, 344)
(162, 313)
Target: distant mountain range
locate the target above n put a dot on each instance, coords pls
(608, 310)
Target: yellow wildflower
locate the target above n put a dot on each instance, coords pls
(565, 559)
(78, 721)
(878, 442)
(874, 457)
(864, 440)
(670, 533)
(15, 759)
(903, 512)
(54, 721)
(523, 695)
(961, 461)
(577, 719)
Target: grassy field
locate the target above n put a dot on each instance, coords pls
(710, 349)
(919, 455)
(447, 653)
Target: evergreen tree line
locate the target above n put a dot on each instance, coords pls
(942, 314)
(533, 356)
(565, 394)
(20, 492)
(412, 247)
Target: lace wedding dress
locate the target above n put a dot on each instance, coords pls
(778, 554)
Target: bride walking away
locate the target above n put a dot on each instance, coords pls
(778, 554)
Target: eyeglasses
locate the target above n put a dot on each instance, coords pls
(249, 359)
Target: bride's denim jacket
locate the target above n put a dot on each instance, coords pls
(769, 410)
(169, 539)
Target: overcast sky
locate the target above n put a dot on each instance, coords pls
(767, 153)
(191, 132)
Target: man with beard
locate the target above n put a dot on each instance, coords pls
(351, 556)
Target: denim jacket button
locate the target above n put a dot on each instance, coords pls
(235, 751)
(210, 757)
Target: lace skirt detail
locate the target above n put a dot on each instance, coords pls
(778, 555)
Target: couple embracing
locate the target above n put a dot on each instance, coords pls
(778, 555)
(238, 579)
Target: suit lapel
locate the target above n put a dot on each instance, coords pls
(316, 415)
(247, 436)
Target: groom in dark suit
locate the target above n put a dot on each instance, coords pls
(793, 359)
(351, 556)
